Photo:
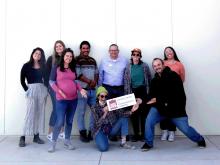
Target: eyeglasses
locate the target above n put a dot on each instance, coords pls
(103, 96)
(136, 54)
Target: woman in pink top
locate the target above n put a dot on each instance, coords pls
(62, 81)
(171, 60)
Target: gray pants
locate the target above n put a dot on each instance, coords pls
(36, 99)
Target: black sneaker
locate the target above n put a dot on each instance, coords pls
(135, 138)
(113, 138)
(90, 136)
(142, 138)
(146, 147)
(202, 144)
(83, 136)
(22, 141)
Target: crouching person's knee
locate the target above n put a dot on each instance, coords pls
(103, 148)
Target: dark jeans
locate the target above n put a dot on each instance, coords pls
(114, 91)
(167, 124)
(53, 116)
(139, 116)
(65, 109)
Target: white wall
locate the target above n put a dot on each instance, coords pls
(191, 26)
(2, 64)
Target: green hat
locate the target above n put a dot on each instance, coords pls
(101, 89)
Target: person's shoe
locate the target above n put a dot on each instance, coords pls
(22, 141)
(50, 136)
(142, 138)
(164, 135)
(127, 138)
(171, 136)
(113, 138)
(37, 139)
(83, 136)
(127, 146)
(61, 136)
(68, 144)
(202, 144)
(90, 136)
(146, 147)
(135, 138)
(52, 146)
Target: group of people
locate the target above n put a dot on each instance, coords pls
(75, 82)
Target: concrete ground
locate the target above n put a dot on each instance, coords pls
(180, 152)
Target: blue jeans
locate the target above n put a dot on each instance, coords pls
(81, 109)
(101, 139)
(53, 116)
(181, 123)
(65, 109)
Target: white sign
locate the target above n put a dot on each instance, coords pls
(121, 102)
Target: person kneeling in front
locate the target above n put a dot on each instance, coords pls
(168, 101)
(109, 123)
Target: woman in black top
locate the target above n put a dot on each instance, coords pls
(34, 73)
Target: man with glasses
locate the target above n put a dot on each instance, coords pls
(111, 73)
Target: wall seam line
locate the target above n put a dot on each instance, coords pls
(5, 40)
(171, 22)
(115, 19)
(60, 19)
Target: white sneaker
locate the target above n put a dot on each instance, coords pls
(52, 147)
(171, 136)
(164, 135)
(127, 146)
(68, 144)
(50, 137)
(61, 136)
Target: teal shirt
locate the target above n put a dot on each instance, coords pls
(137, 76)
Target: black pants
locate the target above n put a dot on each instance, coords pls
(139, 116)
(114, 91)
(167, 125)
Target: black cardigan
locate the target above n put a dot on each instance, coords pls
(169, 93)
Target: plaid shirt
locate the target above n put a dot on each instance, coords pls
(110, 119)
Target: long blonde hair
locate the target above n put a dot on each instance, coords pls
(55, 56)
